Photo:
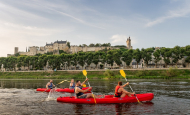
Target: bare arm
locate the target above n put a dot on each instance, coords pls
(125, 85)
(83, 91)
(71, 84)
(84, 82)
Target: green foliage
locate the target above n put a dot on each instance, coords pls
(140, 73)
(172, 72)
(127, 57)
(61, 51)
(157, 56)
(110, 57)
(68, 44)
(107, 55)
(121, 46)
(131, 74)
(91, 45)
(17, 54)
(81, 58)
(166, 54)
(147, 55)
(117, 57)
(137, 56)
(49, 53)
(178, 53)
(109, 73)
(74, 59)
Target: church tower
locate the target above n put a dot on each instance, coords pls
(129, 43)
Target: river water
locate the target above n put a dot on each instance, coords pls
(18, 97)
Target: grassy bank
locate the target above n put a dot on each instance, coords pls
(171, 73)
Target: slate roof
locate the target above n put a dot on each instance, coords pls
(49, 44)
(60, 42)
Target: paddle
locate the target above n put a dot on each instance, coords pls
(84, 85)
(85, 74)
(124, 75)
(58, 84)
(62, 82)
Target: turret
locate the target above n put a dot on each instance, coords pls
(129, 43)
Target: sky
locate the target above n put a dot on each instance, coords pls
(149, 23)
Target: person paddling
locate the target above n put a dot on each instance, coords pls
(120, 91)
(80, 93)
(72, 84)
(50, 84)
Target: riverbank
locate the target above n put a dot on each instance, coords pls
(171, 73)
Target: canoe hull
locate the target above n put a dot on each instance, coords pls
(60, 90)
(108, 99)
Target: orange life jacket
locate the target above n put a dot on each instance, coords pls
(116, 91)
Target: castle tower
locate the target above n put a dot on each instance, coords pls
(129, 43)
(16, 50)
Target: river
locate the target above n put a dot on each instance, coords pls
(19, 97)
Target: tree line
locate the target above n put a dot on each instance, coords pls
(64, 60)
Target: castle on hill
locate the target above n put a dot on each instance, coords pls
(63, 45)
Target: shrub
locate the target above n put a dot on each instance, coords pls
(172, 72)
(140, 73)
(109, 73)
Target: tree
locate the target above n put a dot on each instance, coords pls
(97, 45)
(61, 51)
(63, 60)
(74, 59)
(43, 59)
(27, 61)
(177, 54)
(68, 44)
(147, 55)
(34, 62)
(17, 54)
(110, 58)
(89, 57)
(106, 45)
(68, 58)
(21, 62)
(187, 53)
(91, 45)
(157, 56)
(127, 57)
(81, 59)
(137, 56)
(166, 54)
(12, 62)
(2, 62)
(97, 57)
(117, 57)
(54, 61)
(84, 45)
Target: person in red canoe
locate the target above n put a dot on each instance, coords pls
(72, 84)
(80, 93)
(50, 84)
(120, 91)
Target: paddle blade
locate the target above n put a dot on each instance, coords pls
(122, 73)
(84, 85)
(84, 72)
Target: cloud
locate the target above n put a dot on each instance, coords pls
(77, 19)
(121, 40)
(180, 12)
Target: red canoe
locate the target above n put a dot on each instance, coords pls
(108, 99)
(60, 90)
